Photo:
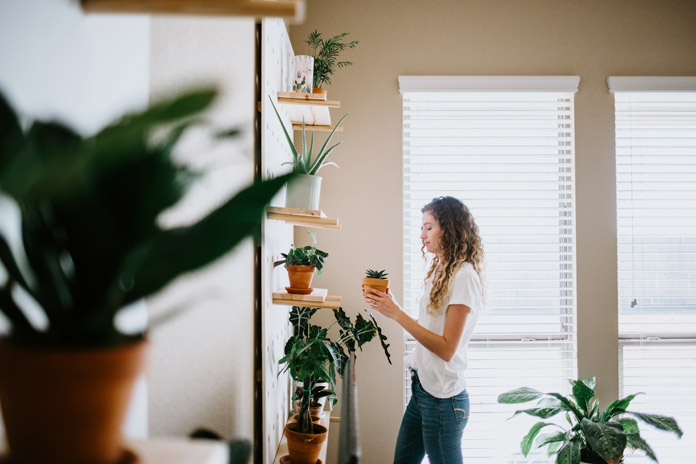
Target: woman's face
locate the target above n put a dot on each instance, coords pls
(431, 233)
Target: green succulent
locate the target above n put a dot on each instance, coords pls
(590, 435)
(372, 274)
(89, 209)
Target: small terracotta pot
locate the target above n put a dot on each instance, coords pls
(300, 277)
(318, 90)
(66, 406)
(377, 284)
(315, 409)
(304, 448)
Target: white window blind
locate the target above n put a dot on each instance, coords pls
(656, 232)
(509, 156)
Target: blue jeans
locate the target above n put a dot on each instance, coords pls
(432, 426)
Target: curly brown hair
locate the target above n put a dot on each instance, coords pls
(460, 242)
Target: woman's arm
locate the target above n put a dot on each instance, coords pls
(443, 346)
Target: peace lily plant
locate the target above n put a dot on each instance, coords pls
(590, 435)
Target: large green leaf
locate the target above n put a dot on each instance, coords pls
(583, 394)
(176, 251)
(12, 143)
(605, 438)
(569, 453)
(543, 413)
(519, 395)
(239, 451)
(619, 406)
(665, 423)
(635, 441)
(528, 439)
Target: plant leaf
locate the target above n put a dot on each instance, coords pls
(635, 441)
(569, 453)
(543, 413)
(583, 394)
(220, 231)
(528, 439)
(665, 423)
(605, 438)
(519, 395)
(619, 406)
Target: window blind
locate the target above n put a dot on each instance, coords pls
(509, 156)
(656, 233)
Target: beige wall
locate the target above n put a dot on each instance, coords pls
(590, 38)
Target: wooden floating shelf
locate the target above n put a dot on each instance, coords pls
(311, 128)
(293, 10)
(303, 96)
(331, 301)
(318, 295)
(302, 217)
(305, 107)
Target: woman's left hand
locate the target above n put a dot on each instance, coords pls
(382, 302)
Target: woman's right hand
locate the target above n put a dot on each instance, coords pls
(384, 303)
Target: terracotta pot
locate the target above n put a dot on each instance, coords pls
(315, 409)
(318, 90)
(304, 448)
(377, 284)
(300, 277)
(66, 406)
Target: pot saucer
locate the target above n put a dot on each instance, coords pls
(299, 291)
(286, 460)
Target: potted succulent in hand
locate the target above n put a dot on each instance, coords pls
(376, 279)
(591, 435)
(325, 53)
(312, 358)
(301, 264)
(92, 245)
(304, 190)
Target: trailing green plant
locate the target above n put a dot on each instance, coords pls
(312, 357)
(590, 435)
(308, 255)
(305, 162)
(325, 53)
(372, 274)
(89, 220)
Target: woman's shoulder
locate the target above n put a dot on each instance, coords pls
(467, 273)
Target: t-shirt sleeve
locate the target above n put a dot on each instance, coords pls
(466, 288)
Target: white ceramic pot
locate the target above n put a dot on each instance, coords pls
(303, 77)
(303, 192)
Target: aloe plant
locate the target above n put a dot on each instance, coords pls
(372, 274)
(89, 219)
(590, 435)
(305, 162)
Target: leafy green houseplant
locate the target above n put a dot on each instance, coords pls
(325, 53)
(311, 357)
(301, 264)
(90, 246)
(304, 191)
(590, 435)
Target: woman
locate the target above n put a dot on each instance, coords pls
(439, 408)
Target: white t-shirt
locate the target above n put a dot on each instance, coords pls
(439, 378)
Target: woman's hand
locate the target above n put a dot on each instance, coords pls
(383, 303)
